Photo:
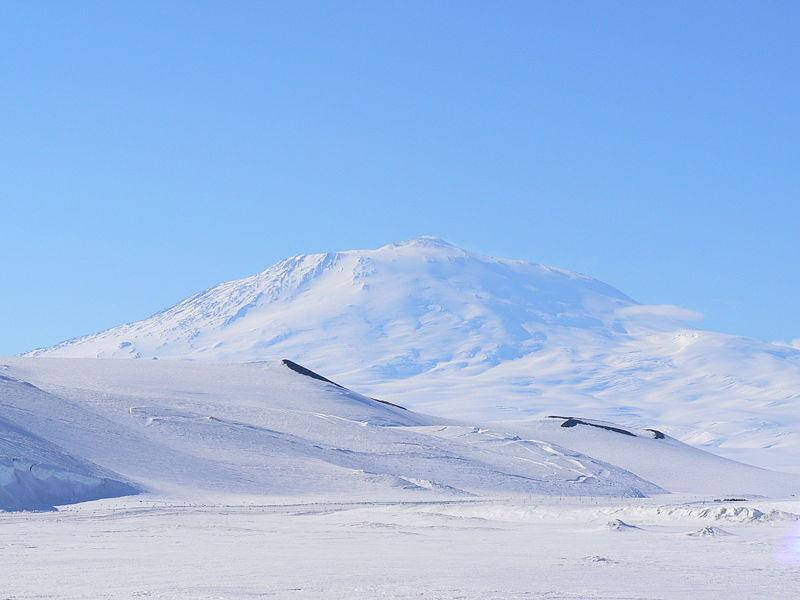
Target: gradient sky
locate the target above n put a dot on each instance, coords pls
(150, 150)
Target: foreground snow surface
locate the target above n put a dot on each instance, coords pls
(141, 547)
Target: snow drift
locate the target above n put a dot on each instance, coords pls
(38, 475)
(658, 457)
(223, 431)
(203, 430)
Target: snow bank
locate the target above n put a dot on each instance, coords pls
(36, 474)
(26, 485)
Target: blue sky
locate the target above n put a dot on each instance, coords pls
(152, 150)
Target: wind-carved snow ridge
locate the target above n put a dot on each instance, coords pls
(26, 485)
(435, 328)
(38, 475)
(309, 373)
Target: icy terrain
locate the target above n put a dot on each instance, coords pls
(205, 430)
(210, 431)
(268, 480)
(461, 549)
(37, 475)
(445, 331)
(523, 435)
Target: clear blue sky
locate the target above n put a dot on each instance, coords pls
(150, 150)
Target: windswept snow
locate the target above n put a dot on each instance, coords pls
(446, 549)
(444, 331)
(659, 458)
(224, 431)
(36, 474)
(261, 480)
(203, 430)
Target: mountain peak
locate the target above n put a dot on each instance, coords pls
(426, 241)
(393, 312)
(424, 245)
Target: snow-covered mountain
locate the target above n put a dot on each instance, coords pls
(450, 332)
(394, 312)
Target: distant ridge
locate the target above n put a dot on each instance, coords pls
(309, 373)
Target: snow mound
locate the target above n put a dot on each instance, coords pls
(708, 531)
(620, 525)
(734, 514)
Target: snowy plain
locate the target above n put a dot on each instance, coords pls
(467, 549)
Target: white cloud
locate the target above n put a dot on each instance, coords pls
(795, 343)
(660, 311)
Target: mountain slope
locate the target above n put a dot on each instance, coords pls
(428, 325)
(221, 432)
(657, 457)
(195, 431)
